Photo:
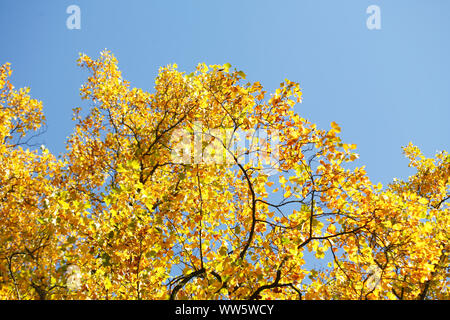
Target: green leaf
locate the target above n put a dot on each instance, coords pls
(132, 224)
(71, 239)
(223, 251)
(106, 259)
(242, 74)
(151, 254)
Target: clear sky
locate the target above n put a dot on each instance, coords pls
(384, 87)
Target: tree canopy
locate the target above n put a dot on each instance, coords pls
(208, 188)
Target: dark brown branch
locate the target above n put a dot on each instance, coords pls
(185, 280)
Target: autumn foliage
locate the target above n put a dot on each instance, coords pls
(117, 216)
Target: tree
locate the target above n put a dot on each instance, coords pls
(208, 189)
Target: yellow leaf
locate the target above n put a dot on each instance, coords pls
(226, 67)
(332, 229)
(335, 126)
(64, 205)
(107, 283)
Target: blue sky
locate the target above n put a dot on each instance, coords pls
(384, 87)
